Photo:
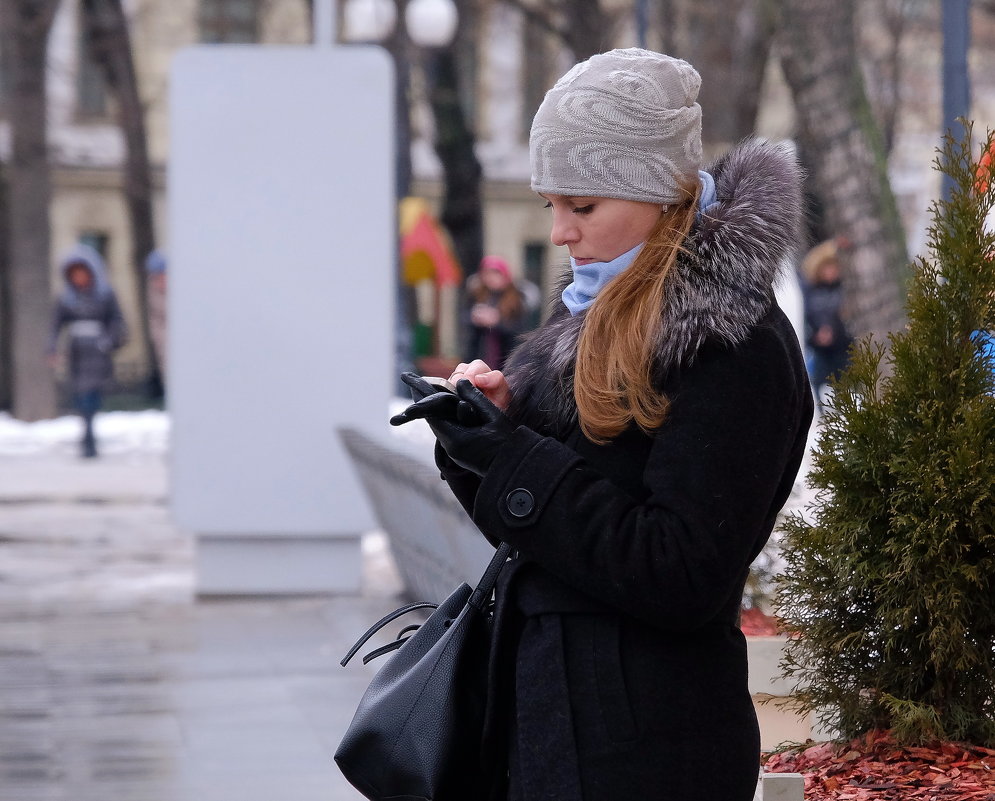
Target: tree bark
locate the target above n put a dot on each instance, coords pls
(588, 29)
(106, 28)
(5, 305)
(585, 27)
(849, 173)
(462, 207)
(730, 41)
(24, 29)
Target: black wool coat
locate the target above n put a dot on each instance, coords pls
(620, 670)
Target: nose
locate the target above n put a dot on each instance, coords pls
(564, 230)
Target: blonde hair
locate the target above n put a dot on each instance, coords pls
(613, 378)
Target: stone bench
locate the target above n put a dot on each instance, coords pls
(434, 543)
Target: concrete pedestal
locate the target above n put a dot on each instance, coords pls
(281, 306)
(278, 564)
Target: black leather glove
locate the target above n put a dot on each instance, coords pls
(469, 427)
(419, 387)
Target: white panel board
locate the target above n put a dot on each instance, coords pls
(281, 283)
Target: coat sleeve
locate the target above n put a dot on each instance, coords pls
(59, 319)
(114, 325)
(463, 483)
(732, 440)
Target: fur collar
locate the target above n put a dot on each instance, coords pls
(717, 291)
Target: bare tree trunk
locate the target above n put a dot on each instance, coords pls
(6, 377)
(584, 27)
(106, 28)
(896, 18)
(398, 44)
(666, 17)
(24, 28)
(462, 205)
(729, 42)
(881, 56)
(588, 28)
(836, 126)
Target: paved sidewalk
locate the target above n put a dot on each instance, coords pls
(116, 683)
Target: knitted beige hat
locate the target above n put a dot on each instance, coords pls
(623, 124)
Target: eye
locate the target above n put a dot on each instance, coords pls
(584, 209)
(548, 205)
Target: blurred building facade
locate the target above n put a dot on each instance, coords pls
(516, 61)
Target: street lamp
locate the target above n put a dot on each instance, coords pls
(429, 24)
(368, 20)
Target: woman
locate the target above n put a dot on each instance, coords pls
(826, 331)
(89, 310)
(636, 449)
(496, 312)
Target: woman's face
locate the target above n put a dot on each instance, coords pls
(80, 277)
(600, 228)
(828, 272)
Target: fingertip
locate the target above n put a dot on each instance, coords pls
(398, 419)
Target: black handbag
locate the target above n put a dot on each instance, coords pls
(417, 733)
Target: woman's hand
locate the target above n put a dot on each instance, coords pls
(484, 316)
(468, 426)
(432, 404)
(491, 382)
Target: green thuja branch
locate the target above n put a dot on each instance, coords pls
(889, 585)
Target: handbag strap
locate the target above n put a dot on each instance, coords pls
(479, 599)
(482, 594)
(381, 623)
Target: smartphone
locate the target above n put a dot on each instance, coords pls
(441, 384)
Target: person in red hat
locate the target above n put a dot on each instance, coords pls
(495, 314)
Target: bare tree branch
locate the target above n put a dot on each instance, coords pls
(106, 28)
(544, 17)
(841, 139)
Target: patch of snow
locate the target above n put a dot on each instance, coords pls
(117, 432)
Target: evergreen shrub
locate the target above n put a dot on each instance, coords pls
(888, 591)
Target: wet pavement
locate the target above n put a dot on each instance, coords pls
(118, 684)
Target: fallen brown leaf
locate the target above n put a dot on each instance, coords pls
(875, 768)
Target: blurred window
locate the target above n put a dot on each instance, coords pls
(533, 261)
(537, 70)
(91, 85)
(98, 240)
(229, 21)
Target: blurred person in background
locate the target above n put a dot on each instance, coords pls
(827, 337)
(635, 450)
(88, 309)
(155, 290)
(496, 312)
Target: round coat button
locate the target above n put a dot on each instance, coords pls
(520, 502)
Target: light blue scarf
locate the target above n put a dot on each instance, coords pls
(590, 279)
